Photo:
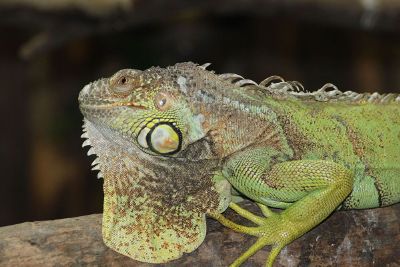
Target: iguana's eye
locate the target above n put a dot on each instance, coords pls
(162, 101)
(122, 86)
(123, 80)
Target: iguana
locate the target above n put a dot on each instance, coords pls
(174, 145)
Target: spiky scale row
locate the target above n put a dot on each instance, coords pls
(295, 88)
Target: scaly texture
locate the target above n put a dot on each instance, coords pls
(171, 142)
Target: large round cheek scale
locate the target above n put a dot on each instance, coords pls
(164, 139)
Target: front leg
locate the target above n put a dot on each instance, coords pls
(310, 190)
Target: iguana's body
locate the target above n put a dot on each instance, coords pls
(364, 138)
(170, 142)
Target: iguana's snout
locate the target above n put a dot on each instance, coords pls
(123, 94)
(123, 89)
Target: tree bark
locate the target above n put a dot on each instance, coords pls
(347, 238)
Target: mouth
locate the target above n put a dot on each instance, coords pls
(103, 106)
(98, 112)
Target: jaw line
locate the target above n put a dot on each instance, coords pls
(113, 105)
(98, 133)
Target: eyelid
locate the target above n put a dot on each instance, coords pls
(124, 88)
(122, 85)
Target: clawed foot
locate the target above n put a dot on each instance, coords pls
(271, 230)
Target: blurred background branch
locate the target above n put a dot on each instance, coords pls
(63, 20)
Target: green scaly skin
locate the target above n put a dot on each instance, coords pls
(172, 144)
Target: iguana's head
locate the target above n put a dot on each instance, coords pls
(148, 108)
(156, 159)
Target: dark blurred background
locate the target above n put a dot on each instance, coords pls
(50, 49)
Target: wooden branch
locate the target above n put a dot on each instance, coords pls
(350, 238)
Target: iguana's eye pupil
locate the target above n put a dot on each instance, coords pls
(123, 80)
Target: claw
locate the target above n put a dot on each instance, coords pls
(246, 214)
(265, 210)
(267, 230)
(259, 244)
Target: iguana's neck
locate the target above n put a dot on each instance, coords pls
(233, 117)
(144, 174)
(148, 210)
(236, 125)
